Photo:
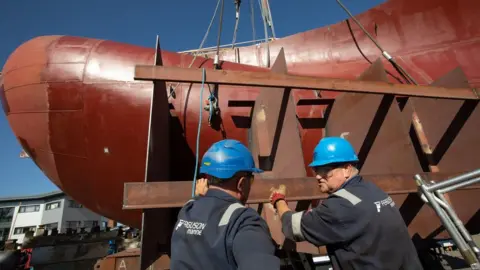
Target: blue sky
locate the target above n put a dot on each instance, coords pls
(181, 25)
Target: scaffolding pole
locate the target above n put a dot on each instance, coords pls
(433, 194)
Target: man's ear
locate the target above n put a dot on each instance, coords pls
(240, 183)
(347, 171)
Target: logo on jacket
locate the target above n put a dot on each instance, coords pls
(378, 204)
(384, 202)
(193, 228)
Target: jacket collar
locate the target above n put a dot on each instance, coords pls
(353, 180)
(222, 195)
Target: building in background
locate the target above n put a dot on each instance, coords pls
(6, 217)
(19, 215)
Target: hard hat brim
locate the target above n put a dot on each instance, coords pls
(319, 163)
(225, 174)
(256, 170)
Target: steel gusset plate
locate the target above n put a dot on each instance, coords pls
(277, 149)
(155, 241)
(375, 127)
(451, 126)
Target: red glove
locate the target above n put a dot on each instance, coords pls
(277, 197)
(277, 194)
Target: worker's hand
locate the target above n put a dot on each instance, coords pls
(278, 194)
(202, 187)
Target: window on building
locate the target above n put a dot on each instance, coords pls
(51, 226)
(6, 214)
(4, 234)
(22, 230)
(53, 205)
(72, 224)
(29, 208)
(74, 204)
(90, 223)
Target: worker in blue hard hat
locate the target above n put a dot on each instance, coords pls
(358, 222)
(216, 230)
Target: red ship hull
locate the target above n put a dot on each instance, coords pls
(75, 108)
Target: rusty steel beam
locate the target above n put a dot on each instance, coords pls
(175, 194)
(279, 80)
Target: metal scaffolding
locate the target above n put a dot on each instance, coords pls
(433, 194)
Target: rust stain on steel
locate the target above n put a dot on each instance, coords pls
(451, 126)
(265, 79)
(375, 128)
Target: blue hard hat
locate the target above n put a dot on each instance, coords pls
(225, 158)
(333, 150)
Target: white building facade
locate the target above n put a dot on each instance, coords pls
(19, 215)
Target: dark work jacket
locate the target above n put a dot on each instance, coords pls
(360, 226)
(217, 232)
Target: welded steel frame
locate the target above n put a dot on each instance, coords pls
(146, 195)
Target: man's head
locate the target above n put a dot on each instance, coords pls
(229, 165)
(333, 162)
